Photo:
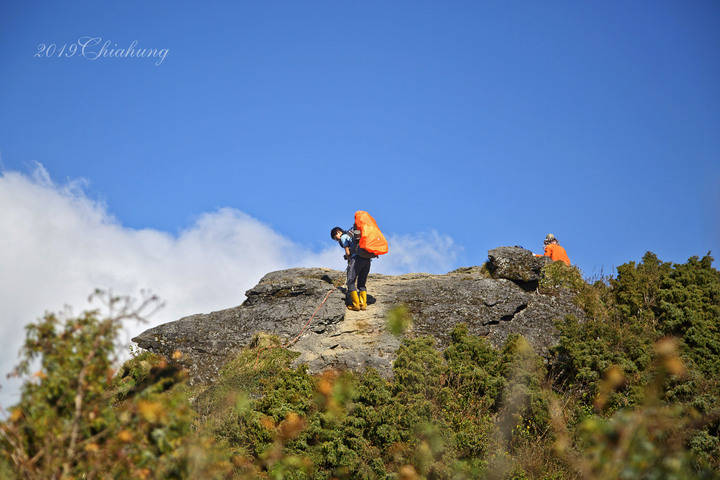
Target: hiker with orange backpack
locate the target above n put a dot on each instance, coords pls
(361, 244)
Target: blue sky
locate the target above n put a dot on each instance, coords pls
(461, 126)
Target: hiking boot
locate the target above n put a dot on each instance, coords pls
(363, 300)
(355, 305)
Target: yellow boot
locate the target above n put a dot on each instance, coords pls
(363, 300)
(355, 301)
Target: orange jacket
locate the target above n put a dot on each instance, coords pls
(556, 252)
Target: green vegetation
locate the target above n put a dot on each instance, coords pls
(67, 424)
(631, 391)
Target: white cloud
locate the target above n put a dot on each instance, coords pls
(429, 252)
(59, 245)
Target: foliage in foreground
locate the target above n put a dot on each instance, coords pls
(66, 424)
(630, 392)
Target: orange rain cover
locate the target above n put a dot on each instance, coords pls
(371, 238)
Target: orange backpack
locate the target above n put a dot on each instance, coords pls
(372, 242)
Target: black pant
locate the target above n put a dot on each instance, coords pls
(358, 268)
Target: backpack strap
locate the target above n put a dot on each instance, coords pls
(354, 234)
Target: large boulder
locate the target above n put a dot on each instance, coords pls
(305, 309)
(281, 303)
(517, 265)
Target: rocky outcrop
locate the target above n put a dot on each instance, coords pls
(516, 264)
(494, 301)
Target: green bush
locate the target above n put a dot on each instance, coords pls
(609, 359)
(556, 275)
(652, 439)
(473, 370)
(66, 425)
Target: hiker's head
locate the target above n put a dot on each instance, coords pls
(550, 238)
(335, 233)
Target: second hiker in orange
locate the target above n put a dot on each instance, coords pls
(554, 250)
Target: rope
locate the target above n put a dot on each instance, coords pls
(307, 324)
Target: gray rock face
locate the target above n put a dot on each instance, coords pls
(283, 303)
